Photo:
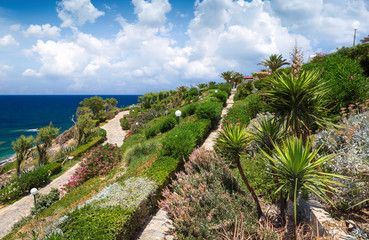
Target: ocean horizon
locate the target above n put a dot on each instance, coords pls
(24, 114)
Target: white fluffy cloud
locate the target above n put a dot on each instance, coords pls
(7, 41)
(77, 12)
(45, 30)
(223, 35)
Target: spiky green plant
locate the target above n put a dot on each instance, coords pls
(296, 166)
(300, 103)
(233, 140)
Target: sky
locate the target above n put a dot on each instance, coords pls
(137, 46)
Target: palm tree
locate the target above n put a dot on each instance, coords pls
(233, 141)
(296, 168)
(300, 103)
(274, 62)
(237, 78)
(227, 76)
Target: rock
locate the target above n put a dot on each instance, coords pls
(350, 225)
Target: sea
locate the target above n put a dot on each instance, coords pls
(24, 114)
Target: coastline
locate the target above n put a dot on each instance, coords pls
(6, 160)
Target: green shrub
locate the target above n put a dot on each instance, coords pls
(45, 201)
(222, 96)
(345, 77)
(168, 123)
(151, 132)
(189, 109)
(162, 169)
(125, 124)
(101, 133)
(210, 110)
(243, 91)
(359, 53)
(21, 186)
(243, 111)
(54, 168)
(140, 150)
(193, 92)
(180, 142)
(225, 87)
(85, 147)
(96, 223)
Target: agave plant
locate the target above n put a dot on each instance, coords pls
(274, 62)
(296, 166)
(233, 140)
(300, 103)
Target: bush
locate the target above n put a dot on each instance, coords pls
(98, 161)
(243, 91)
(210, 110)
(189, 109)
(101, 133)
(222, 96)
(346, 80)
(125, 124)
(225, 87)
(54, 168)
(151, 132)
(180, 142)
(206, 200)
(162, 169)
(359, 53)
(85, 147)
(193, 92)
(45, 201)
(21, 186)
(168, 123)
(243, 111)
(140, 150)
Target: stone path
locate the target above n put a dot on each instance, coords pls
(11, 214)
(159, 224)
(114, 132)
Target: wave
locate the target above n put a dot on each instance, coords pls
(32, 130)
(2, 142)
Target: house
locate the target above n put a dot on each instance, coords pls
(248, 79)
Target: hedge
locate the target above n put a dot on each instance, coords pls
(85, 147)
(54, 168)
(20, 186)
(210, 110)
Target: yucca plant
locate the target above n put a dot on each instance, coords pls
(299, 102)
(233, 140)
(295, 166)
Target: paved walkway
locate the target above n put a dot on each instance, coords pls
(114, 132)
(159, 224)
(13, 213)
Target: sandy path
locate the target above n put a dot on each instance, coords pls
(11, 214)
(114, 132)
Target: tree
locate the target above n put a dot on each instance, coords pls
(233, 140)
(236, 79)
(274, 62)
(297, 58)
(227, 76)
(22, 147)
(44, 141)
(300, 103)
(84, 126)
(296, 166)
(111, 103)
(96, 104)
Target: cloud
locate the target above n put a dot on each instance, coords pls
(7, 41)
(31, 73)
(151, 13)
(15, 27)
(75, 13)
(46, 30)
(6, 67)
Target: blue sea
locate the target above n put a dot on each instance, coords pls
(23, 115)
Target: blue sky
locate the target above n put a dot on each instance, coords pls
(136, 46)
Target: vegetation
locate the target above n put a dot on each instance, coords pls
(22, 147)
(44, 141)
(274, 62)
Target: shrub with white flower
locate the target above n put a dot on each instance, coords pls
(351, 144)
